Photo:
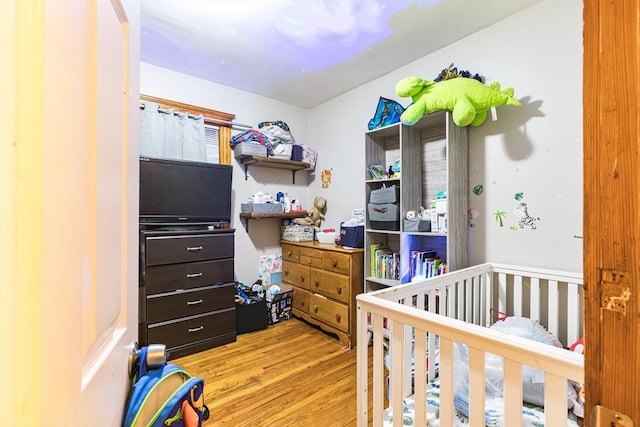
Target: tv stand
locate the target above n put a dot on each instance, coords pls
(186, 287)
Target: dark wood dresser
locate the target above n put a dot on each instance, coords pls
(187, 289)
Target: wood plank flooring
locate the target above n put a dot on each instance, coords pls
(290, 374)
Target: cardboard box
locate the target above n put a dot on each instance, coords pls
(251, 317)
(281, 305)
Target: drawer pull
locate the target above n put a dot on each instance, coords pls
(193, 275)
(286, 272)
(335, 263)
(317, 283)
(199, 328)
(194, 248)
(194, 302)
(302, 278)
(315, 309)
(289, 253)
(339, 291)
(338, 318)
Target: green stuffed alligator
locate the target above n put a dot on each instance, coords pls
(467, 98)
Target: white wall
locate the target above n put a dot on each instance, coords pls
(535, 149)
(263, 237)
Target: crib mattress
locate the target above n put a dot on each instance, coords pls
(531, 416)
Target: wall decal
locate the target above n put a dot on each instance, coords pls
(498, 215)
(526, 220)
(326, 178)
(478, 190)
(518, 196)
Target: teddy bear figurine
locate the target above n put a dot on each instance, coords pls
(315, 215)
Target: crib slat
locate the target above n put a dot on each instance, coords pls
(512, 393)
(534, 308)
(476, 386)
(420, 372)
(517, 295)
(460, 297)
(553, 308)
(468, 311)
(446, 382)
(488, 295)
(555, 399)
(477, 297)
(573, 307)
(397, 358)
(502, 292)
(378, 369)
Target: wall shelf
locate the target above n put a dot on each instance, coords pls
(246, 216)
(274, 163)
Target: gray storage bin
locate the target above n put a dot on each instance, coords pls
(245, 149)
(417, 225)
(385, 195)
(262, 207)
(384, 216)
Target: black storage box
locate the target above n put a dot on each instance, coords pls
(352, 237)
(251, 317)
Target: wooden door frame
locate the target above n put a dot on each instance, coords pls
(611, 190)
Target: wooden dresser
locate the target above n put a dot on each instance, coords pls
(326, 279)
(187, 290)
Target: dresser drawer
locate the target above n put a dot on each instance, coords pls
(301, 300)
(338, 262)
(290, 253)
(174, 249)
(330, 312)
(332, 285)
(311, 262)
(188, 303)
(189, 275)
(196, 328)
(295, 274)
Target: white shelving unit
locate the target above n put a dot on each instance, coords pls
(433, 156)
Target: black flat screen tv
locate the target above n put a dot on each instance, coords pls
(175, 192)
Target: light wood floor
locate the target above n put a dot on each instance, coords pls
(290, 374)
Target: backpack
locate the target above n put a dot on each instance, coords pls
(165, 396)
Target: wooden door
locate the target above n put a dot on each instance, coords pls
(68, 200)
(611, 195)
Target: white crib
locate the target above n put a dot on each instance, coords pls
(459, 307)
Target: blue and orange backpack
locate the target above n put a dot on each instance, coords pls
(164, 395)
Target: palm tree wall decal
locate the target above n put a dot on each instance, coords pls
(499, 215)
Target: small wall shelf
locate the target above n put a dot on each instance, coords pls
(274, 163)
(246, 216)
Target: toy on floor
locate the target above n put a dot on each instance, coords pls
(467, 98)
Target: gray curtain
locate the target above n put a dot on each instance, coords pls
(167, 133)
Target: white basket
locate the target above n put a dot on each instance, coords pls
(297, 233)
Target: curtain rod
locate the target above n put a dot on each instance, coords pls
(237, 126)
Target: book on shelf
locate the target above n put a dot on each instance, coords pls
(385, 264)
(425, 264)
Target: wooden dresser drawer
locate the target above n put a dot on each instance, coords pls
(310, 261)
(295, 274)
(338, 262)
(290, 253)
(188, 303)
(170, 277)
(173, 249)
(192, 329)
(331, 312)
(332, 285)
(301, 300)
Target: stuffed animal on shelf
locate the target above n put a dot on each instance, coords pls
(315, 215)
(467, 98)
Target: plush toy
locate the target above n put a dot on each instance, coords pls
(315, 215)
(467, 98)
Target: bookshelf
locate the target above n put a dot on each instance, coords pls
(433, 157)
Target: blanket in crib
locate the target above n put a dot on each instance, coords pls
(531, 416)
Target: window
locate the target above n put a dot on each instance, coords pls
(217, 127)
